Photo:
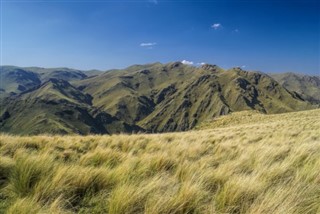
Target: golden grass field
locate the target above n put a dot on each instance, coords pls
(245, 162)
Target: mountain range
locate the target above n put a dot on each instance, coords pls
(142, 98)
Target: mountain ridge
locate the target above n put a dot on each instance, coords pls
(151, 98)
(308, 86)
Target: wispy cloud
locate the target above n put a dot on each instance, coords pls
(148, 44)
(242, 66)
(153, 1)
(201, 63)
(216, 26)
(186, 62)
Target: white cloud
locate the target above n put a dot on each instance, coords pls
(216, 26)
(242, 66)
(186, 62)
(148, 44)
(201, 63)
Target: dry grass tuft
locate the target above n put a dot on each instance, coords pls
(242, 163)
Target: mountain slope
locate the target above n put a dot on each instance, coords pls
(307, 86)
(59, 108)
(175, 97)
(153, 97)
(15, 80)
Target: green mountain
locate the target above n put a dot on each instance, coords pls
(175, 97)
(15, 80)
(153, 97)
(307, 86)
(59, 108)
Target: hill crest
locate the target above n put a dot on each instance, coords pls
(153, 97)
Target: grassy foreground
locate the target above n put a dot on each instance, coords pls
(241, 163)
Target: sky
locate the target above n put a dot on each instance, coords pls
(263, 35)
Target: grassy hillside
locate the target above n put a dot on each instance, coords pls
(240, 163)
(307, 86)
(57, 107)
(15, 80)
(175, 97)
(152, 97)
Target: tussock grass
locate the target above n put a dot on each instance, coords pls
(242, 163)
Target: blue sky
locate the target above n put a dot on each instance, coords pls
(265, 35)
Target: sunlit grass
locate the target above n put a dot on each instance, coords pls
(242, 163)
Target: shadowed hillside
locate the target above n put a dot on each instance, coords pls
(56, 107)
(15, 80)
(153, 98)
(307, 86)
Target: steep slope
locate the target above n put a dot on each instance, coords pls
(59, 108)
(14, 80)
(211, 95)
(127, 93)
(66, 74)
(307, 86)
(153, 97)
(175, 97)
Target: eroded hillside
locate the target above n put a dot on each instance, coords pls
(141, 98)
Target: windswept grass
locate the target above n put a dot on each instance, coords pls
(242, 163)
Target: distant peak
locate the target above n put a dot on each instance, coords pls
(175, 64)
(238, 68)
(209, 67)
